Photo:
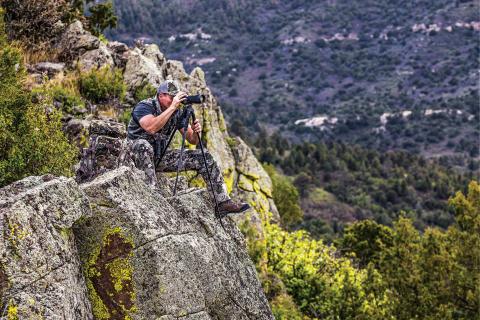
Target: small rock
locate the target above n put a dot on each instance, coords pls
(120, 53)
(108, 128)
(50, 68)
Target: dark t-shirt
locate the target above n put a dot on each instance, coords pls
(160, 138)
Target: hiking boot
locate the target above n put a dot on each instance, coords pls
(230, 206)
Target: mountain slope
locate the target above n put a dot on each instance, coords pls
(384, 73)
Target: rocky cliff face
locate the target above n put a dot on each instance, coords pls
(114, 248)
(143, 64)
(110, 246)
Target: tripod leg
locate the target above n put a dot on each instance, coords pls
(164, 150)
(208, 172)
(180, 160)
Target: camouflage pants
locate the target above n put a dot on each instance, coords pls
(142, 154)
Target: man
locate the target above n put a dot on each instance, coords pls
(152, 122)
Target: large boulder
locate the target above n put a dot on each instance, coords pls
(140, 70)
(133, 253)
(152, 52)
(51, 69)
(76, 45)
(40, 274)
(95, 59)
(253, 184)
(150, 257)
(120, 53)
(75, 41)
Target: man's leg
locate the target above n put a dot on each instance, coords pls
(193, 160)
(142, 156)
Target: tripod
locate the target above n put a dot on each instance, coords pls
(183, 121)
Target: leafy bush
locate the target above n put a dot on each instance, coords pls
(31, 140)
(145, 91)
(33, 22)
(102, 16)
(430, 275)
(286, 197)
(66, 97)
(102, 85)
(321, 284)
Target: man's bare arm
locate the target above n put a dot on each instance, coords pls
(191, 136)
(153, 124)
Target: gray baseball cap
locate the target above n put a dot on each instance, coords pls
(169, 86)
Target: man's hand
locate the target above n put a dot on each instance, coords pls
(196, 127)
(178, 99)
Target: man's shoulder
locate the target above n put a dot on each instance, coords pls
(146, 102)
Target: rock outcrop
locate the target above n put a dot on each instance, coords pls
(146, 64)
(134, 253)
(107, 245)
(40, 273)
(78, 46)
(152, 257)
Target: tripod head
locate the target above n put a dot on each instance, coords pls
(186, 112)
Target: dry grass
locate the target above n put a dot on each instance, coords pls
(35, 56)
(67, 80)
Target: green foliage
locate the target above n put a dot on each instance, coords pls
(402, 274)
(286, 197)
(332, 78)
(321, 284)
(377, 185)
(102, 16)
(284, 308)
(66, 97)
(102, 85)
(125, 116)
(366, 239)
(465, 247)
(33, 22)
(31, 140)
(144, 91)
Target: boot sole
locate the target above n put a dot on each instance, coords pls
(243, 209)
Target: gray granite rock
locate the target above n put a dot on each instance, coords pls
(49, 68)
(140, 69)
(40, 274)
(120, 53)
(150, 257)
(75, 41)
(96, 59)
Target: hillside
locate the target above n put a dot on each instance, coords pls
(383, 74)
(109, 244)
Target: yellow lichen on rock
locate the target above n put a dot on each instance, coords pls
(229, 178)
(12, 311)
(109, 276)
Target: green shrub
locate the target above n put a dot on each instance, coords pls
(286, 197)
(284, 308)
(144, 91)
(33, 22)
(31, 139)
(102, 85)
(124, 116)
(67, 97)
